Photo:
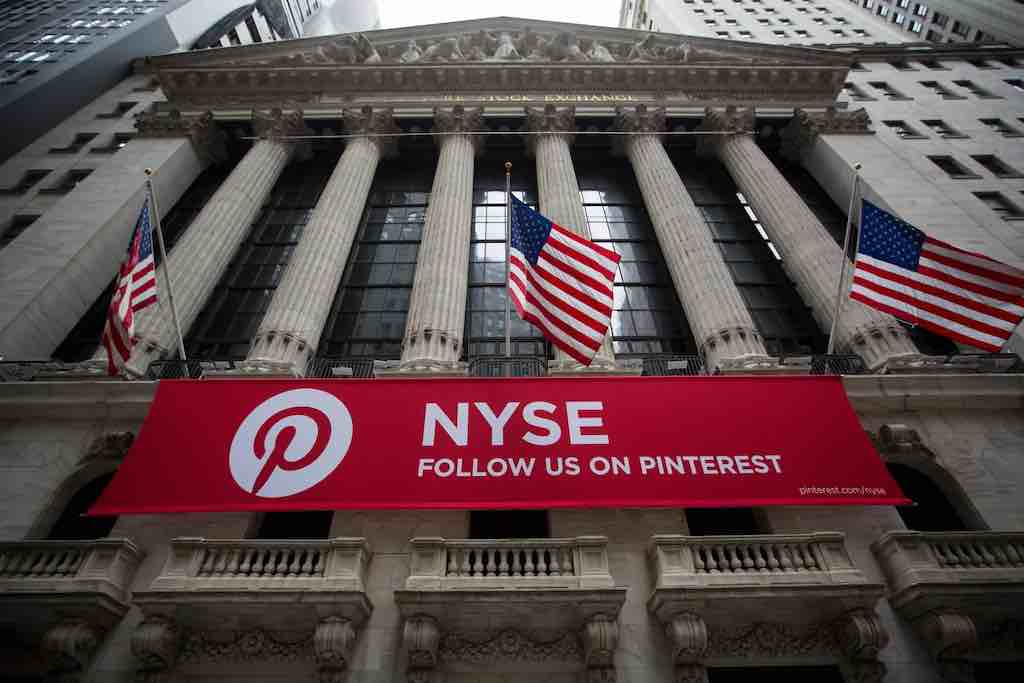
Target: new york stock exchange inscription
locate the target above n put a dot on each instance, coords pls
(538, 97)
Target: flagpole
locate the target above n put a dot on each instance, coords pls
(508, 257)
(163, 259)
(846, 251)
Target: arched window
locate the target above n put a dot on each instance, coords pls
(933, 510)
(72, 525)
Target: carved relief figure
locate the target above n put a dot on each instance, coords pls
(678, 53)
(506, 50)
(412, 53)
(599, 53)
(643, 51)
(446, 50)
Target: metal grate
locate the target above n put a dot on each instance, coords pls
(674, 365)
(508, 366)
(336, 368)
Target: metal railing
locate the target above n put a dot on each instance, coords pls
(186, 369)
(336, 368)
(673, 365)
(24, 370)
(508, 366)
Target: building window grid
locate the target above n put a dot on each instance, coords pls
(235, 309)
(1002, 127)
(1002, 206)
(943, 129)
(996, 166)
(369, 313)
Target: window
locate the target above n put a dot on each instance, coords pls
(904, 131)
(1015, 83)
(254, 30)
(952, 167)
(941, 90)
(802, 33)
(980, 64)
(856, 93)
(73, 525)
(933, 510)
(369, 311)
(889, 91)
(724, 522)
(227, 324)
(915, 26)
(961, 29)
(939, 19)
(943, 129)
(921, 10)
(117, 141)
(76, 145)
(119, 111)
(509, 524)
(746, 34)
(68, 182)
(15, 228)
(996, 166)
(295, 525)
(27, 182)
(1001, 205)
(1002, 127)
(933, 64)
(977, 90)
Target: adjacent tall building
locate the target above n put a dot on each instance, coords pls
(335, 210)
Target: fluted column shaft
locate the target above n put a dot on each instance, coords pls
(437, 306)
(291, 329)
(809, 254)
(717, 314)
(559, 191)
(200, 257)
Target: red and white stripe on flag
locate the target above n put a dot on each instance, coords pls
(959, 294)
(568, 294)
(135, 290)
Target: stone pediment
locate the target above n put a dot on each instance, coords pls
(503, 55)
(503, 39)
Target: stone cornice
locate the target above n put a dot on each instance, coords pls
(207, 139)
(376, 122)
(806, 126)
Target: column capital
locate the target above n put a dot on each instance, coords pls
(550, 119)
(277, 124)
(806, 126)
(458, 119)
(729, 120)
(377, 123)
(202, 130)
(638, 119)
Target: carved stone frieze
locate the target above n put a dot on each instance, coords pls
(509, 645)
(769, 639)
(156, 644)
(245, 646)
(277, 124)
(805, 127)
(377, 122)
(69, 646)
(202, 130)
(109, 446)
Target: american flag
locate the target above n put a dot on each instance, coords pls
(959, 294)
(560, 282)
(135, 289)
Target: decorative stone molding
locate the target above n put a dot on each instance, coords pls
(421, 638)
(728, 120)
(156, 643)
(550, 120)
(638, 119)
(689, 636)
(459, 119)
(805, 127)
(277, 124)
(253, 645)
(69, 646)
(110, 446)
(376, 124)
(333, 641)
(862, 636)
(772, 639)
(951, 638)
(207, 139)
(600, 639)
(509, 645)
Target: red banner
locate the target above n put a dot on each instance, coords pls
(219, 445)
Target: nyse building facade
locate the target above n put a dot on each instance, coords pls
(335, 210)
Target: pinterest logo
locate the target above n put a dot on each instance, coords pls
(290, 443)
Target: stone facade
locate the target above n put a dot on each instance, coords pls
(634, 595)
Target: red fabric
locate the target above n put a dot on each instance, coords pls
(362, 444)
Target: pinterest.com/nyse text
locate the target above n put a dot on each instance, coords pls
(842, 491)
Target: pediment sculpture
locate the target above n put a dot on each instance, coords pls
(526, 45)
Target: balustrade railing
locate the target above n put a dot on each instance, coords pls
(693, 561)
(30, 561)
(443, 564)
(508, 366)
(64, 567)
(978, 552)
(236, 564)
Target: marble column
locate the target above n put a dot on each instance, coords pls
(437, 306)
(718, 317)
(560, 197)
(200, 257)
(290, 331)
(809, 253)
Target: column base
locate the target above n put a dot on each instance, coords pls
(600, 367)
(257, 369)
(421, 368)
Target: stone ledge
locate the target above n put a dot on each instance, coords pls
(899, 393)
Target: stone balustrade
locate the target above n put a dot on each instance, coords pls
(441, 564)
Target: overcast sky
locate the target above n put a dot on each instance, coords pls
(395, 13)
